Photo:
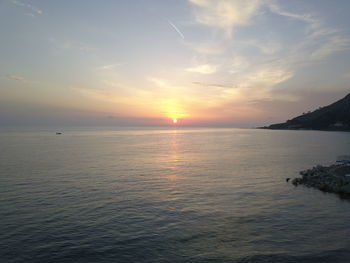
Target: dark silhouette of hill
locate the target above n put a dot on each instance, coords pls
(334, 117)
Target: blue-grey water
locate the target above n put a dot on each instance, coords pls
(203, 195)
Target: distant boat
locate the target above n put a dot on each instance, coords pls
(58, 133)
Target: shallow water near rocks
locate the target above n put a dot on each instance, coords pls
(146, 195)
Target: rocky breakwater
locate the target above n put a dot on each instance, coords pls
(334, 178)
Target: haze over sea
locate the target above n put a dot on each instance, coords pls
(168, 195)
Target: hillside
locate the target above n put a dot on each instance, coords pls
(332, 117)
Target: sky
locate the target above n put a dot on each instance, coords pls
(147, 62)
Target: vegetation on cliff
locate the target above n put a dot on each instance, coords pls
(332, 117)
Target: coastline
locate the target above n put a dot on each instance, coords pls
(302, 129)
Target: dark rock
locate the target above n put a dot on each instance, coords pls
(333, 178)
(296, 181)
(345, 189)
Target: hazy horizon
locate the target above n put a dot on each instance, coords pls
(222, 63)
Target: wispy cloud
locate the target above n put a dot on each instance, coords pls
(225, 14)
(267, 45)
(203, 69)
(208, 48)
(266, 77)
(160, 82)
(15, 77)
(176, 29)
(32, 10)
(327, 43)
(216, 85)
(320, 40)
(239, 64)
(108, 67)
(308, 18)
(70, 45)
(261, 62)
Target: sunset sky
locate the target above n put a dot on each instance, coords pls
(147, 62)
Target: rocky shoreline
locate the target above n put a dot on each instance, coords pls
(334, 178)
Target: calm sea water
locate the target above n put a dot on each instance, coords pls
(202, 195)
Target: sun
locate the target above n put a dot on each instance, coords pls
(174, 121)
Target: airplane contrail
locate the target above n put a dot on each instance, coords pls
(176, 29)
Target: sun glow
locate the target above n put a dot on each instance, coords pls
(174, 121)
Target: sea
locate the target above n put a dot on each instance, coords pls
(168, 195)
